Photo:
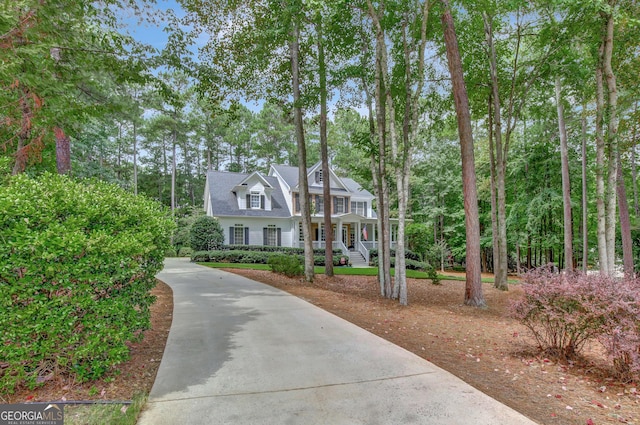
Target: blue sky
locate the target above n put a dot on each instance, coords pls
(148, 32)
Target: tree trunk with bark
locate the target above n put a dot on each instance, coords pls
(611, 141)
(492, 172)
(303, 184)
(326, 181)
(625, 225)
(585, 211)
(500, 261)
(473, 289)
(63, 151)
(566, 185)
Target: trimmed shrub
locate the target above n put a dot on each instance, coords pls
(77, 263)
(411, 264)
(255, 256)
(563, 312)
(185, 251)
(206, 234)
(170, 253)
(408, 254)
(555, 310)
(276, 249)
(200, 257)
(288, 265)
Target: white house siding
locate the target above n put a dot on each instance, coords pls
(256, 226)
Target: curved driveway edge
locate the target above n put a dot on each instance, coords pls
(241, 352)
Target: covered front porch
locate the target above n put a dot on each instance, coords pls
(352, 233)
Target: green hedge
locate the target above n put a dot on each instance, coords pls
(77, 263)
(276, 249)
(255, 257)
(411, 264)
(408, 254)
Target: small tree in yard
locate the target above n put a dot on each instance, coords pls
(565, 311)
(206, 234)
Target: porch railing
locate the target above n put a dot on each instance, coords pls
(321, 244)
(362, 249)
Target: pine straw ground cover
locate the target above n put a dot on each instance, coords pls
(481, 346)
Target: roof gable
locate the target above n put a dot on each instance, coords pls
(222, 186)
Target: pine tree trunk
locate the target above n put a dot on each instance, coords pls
(473, 289)
(384, 248)
(492, 171)
(500, 261)
(600, 167)
(625, 225)
(294, 50)
(135, 158)
(585, 211)
(611, 141)
(634, 171)
(326, 180)
(173, 172)
(63, 151)
(566, 185)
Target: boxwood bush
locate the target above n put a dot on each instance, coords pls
(77, 263)
(408, 254)
(288, 265)
(277, 249)
(411, 264)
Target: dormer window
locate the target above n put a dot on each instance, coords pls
(255, 200)
(319, 176)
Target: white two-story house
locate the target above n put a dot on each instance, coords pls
(258, 209)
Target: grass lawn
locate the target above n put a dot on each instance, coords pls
(351, 271)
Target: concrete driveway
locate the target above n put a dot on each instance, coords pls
(241, 352)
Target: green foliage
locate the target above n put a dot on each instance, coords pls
(288, 265)
(206, 234)
(77, 262)
(410, 264)
(408, 254)
(433, 275)
(185, 251)
(283, 249)
(419, 238)
(259, 256)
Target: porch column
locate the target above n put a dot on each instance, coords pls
(339, 232)
(374, 229)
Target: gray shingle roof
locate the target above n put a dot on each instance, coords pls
(355, 187)
(290, 176)
(224, 202)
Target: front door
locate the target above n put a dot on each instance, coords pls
(352, 237)
(345, 233)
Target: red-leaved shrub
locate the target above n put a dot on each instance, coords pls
(564, 311)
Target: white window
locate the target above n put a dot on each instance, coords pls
(359, 208)
(255, 200)
(319, 204)
(238, 234)
(323, 236)
(271, 235)
(339, 205)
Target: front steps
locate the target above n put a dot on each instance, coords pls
(356, 259)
